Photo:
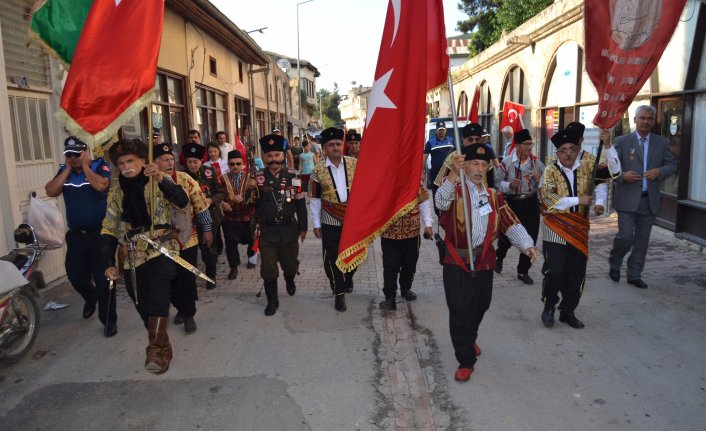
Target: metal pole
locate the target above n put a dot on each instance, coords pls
(299, 72)
(464, 189)
(150, 155)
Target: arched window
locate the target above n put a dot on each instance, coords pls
(462, 105)
(515, 89)
(485, 106)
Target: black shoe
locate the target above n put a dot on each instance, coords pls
(348, 285)
(210, 286)
(614, 274)
(291, 287)
(178, 319)
(408, 295)
(388, 304)
(340, 303)
(233, 274)
(189, 324)
(498, 265)
(250, 265)
(571, 320)
(111, 329)
(525, 278)
(636, 282)
(548, 315)
(271, 307)
(89, 307)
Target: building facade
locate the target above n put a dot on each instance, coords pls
(354, 108)
(541, 65)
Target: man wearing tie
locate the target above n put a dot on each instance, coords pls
(645, 159)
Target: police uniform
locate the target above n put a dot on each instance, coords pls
(85, 209)
(566, 226)
(438, 150)
(127, 215)
(212, 188)
(329, 187)
(522, 199)
(280, 211)
(468, 297)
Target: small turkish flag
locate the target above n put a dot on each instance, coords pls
(412, 60)
(473, 114)
(512, 116)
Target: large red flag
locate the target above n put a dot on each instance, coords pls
(624, 44)
(113, 69)
(412, 59)
(512, 116)
(473, 114)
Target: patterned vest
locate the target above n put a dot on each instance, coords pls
(408, 225)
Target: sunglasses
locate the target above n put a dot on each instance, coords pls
(72, 155)
(235, 164)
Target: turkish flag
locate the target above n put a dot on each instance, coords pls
(238, 145)
(473, 115)
(512, 116)
(113, 68)
(412, 60)
(624, 45)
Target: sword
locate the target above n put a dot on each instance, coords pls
(131, 263)
(175, 257)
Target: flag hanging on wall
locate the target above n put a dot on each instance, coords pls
(412, 60)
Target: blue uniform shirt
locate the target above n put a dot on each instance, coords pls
(439, 150)
(85, 206)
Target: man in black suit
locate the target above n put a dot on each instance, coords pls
(645, 159)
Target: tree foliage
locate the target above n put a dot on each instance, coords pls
(487, 19)
(329, 106)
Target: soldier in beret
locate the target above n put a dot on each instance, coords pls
(129, 214)
(564, 198)
(468, 294)
(195, 219)
(329, 185)
(280, 211)
(213, 191)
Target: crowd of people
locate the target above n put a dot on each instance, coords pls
(151, 225)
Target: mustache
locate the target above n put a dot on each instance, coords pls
(129, 171)
(274, 162)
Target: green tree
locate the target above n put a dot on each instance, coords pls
(487, 19)
(329, 106)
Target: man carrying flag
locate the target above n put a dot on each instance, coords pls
(329, 185)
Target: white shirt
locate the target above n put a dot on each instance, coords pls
(225, 149)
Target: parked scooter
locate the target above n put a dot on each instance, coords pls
(19, 284)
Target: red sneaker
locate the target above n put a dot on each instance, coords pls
(463, 374)
(476, 347)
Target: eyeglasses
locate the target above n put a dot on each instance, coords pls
(235, 164)
(72, 155)
(568, 150)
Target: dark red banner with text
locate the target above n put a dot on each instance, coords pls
(624, 41)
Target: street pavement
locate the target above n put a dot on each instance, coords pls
(637, 365)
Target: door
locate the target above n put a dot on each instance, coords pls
(669, 124)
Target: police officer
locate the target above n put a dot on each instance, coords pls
(84, 184)
(280, 211)
(437, 149)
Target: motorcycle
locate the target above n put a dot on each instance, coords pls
(19, 285)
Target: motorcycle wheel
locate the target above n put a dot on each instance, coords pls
(28, 320)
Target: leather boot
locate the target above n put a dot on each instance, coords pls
(548, 315)
(388, 304)
(153, 353)
(291, 287)
(164, 344)
(340, 302)
(271, 294)
(347, 283)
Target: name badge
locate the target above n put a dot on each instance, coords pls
(484, 210)
(296, 182)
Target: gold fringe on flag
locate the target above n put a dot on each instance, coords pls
(108, 132)
(360, 249)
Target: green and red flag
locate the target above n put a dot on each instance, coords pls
(113, 64)
(57, 25)
(411, 61)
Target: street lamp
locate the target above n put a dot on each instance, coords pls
(299, 70)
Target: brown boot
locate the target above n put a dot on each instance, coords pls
(153, 358)
(163, 343)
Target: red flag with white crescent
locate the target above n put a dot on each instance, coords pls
(512, 116)
(412, 60)
(113, 69)
(624, 41)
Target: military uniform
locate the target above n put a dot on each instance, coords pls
(127, 215)
(280, 211)
(329, 186)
